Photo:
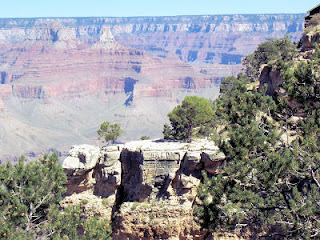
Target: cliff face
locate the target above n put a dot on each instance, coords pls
(211, 39)
(61, 77)
(221, 39)
(147, 187)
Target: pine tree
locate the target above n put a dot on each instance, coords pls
(273, 49)
(269, 188)
(72, 223)
(26, 193)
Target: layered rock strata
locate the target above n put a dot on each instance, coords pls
(61, 77)
(212, 39)
(58, 89)
(147, 187)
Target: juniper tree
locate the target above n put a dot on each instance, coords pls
(192, 112)
(29, 204)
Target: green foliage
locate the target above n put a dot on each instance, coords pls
(84, 202)
(260, 187)
(145, 138)
(73, 224)
(227, 86)
(167, 131)
(97, 228)
(193, 112)
(273, 49)
(238, 105)
(109, 132)
(316, 55)
(302, 84)
(27, 191)
(29, 204)
(65, 224)
(269, 189)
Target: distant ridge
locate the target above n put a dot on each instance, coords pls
(61, 77)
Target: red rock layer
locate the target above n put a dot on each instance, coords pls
(37, 71)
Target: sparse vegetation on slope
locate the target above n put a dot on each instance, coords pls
(29, 204)
(270, 50)
(270, 186)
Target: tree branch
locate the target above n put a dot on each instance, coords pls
(314, 178)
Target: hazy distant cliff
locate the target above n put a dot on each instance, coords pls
(61, 77)
(221, 39)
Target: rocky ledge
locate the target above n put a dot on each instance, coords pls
(147, 188)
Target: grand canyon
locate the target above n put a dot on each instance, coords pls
(62, 77)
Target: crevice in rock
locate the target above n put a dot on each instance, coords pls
(190, 167)
(192, 56)
(210, 166)
(176, 181)
(106, 183)
(82, 158)
(189, 83)
(162, 183)
(131, 176)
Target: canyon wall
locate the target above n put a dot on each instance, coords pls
(61, 77)
(220, 39)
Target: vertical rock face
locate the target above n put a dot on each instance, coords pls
(272, 78)
(106, 39)
(154, 196)
(93, 174)
(215, 39)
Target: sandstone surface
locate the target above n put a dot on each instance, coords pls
(147, 188)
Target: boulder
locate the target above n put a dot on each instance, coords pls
(82, 158)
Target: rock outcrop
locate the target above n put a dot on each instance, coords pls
(106, 39)
(94, 175)
(310, 36)
(270, 76)
(147, 187)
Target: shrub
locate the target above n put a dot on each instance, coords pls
(109, 132)
(145, 138)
